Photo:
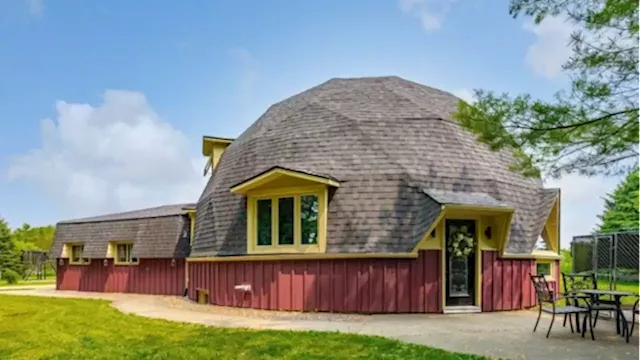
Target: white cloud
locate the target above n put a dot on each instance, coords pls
(117, 156)
(36, 7)
(581, 203)
(551, 48)
(431, 13)
(249, 71)
(464, 94)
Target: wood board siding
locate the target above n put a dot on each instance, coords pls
(340, 285)
(506, 284)
(151, 276)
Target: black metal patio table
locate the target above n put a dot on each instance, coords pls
(617, 296)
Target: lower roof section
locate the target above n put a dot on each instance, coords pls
(160, 232)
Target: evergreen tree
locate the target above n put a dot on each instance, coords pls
(9, 256)
(621, 206)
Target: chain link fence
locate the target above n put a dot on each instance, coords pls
(613, 257)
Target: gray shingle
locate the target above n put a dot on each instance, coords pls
(385, 139)
(463, 198)
(160, 232)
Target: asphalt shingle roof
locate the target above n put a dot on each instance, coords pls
(159, 232)
(385, 139)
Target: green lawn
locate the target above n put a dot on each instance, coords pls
(50, 328)
(622, 286)
(29, 282)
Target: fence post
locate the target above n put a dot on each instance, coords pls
(615, 261)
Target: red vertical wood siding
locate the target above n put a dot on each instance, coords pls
(506, 284)
(151, 276)
(345, 285)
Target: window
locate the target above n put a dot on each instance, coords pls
(286, 223)
(309, 219)
(543, 269)
(76, 254)
(123, 254)
(546, 268)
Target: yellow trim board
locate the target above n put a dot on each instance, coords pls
(536, 254)
(304, 257)
(209, 142)
(269, 175)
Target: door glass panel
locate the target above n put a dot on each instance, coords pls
(458, 276)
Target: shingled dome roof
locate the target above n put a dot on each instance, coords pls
(397, 155)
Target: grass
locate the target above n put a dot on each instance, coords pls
(3, 283)
(50, 328)
(622, 286)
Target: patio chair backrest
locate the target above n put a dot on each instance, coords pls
(576, 282)
(544, 291)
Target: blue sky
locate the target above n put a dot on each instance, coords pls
(103, 103)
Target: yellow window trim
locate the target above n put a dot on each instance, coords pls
(114, 245)
(320, 192)
(68, 253)
(256, 182)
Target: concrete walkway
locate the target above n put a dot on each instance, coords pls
(503, 335)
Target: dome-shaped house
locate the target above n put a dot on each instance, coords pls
(362, 195)
(358, 195)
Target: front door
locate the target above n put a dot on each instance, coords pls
(460, 262)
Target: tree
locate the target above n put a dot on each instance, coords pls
(621, 206)
(590, 128)
(9, 256)
(33, 238)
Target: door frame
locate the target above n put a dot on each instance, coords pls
(477, 300)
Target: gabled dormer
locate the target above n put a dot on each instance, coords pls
(212, 148)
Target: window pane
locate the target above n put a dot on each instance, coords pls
(543, 269)
(264, 222)
(124, 252)
(76, 253)
(309, 219)
(285, 221)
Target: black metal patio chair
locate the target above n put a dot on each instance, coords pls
(546, 296)
(634, 317)
(573, 283)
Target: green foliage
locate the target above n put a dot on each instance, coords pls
(621, 206)
(592, 128)
(50, 328)
(33, 238)
(9, 256)
(566, 264)
(10, 276)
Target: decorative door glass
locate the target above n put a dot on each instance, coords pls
(458, 276)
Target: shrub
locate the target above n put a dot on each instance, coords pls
(10, 276)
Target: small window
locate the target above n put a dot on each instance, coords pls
(76, 254)
(123, 254)
(543, 269)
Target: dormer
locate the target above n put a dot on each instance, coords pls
(212, 148)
